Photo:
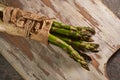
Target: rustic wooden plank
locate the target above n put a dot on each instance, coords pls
(36, 61)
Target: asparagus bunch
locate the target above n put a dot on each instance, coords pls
(73, 40)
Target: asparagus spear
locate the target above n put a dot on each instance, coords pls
(71, 34)
(73, 53)
(61, 25)
(81, 45)
(74, 28)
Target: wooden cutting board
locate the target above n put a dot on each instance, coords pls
(35, 61)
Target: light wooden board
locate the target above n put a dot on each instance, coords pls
(36, 61)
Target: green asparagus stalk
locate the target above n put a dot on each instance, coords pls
(71, 34)
(73, 53)
(81, 45)
(61, 25)
(74, 28)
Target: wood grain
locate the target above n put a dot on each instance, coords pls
(36, 61)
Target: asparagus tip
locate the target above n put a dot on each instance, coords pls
(90, 40)
(86, 67)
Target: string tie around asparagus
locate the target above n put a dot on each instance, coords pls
(74, 40)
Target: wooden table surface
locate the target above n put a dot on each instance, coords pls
(35, 61)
